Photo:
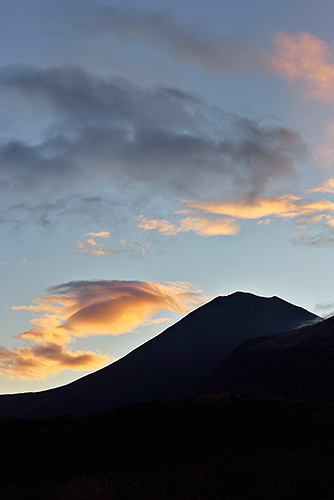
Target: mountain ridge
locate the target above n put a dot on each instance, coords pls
(173, 364)
(294, 365)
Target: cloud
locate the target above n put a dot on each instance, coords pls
(84, 208)
(109, 134)
(326, 187)
(315, 231)
(264, 221)
(41, 361)
(199, 225)
(310, 239)
(325, 309)
(306, 58)
(324, 156)
(92, 247)
(209, 226)
(287, 206)
(82, 308)
(116, 307)
(101, 234)
(191, 45)
(161, 225)
(219, 217)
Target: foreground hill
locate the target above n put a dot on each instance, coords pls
(296, 365)
(219, 447)
(173, 364)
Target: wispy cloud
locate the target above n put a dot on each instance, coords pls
(191, 45)
(325, 309)
(309, 238)
(161, 225)
(305, 58)
(199, 225)
(219, 217)
(41, 361)
(100, 234)
(287, 207)
(93, 247)
(84, 308)
(326, 187)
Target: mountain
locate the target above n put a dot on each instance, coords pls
(294, 365)
(173, 364)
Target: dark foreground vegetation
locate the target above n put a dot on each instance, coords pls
(218, 447)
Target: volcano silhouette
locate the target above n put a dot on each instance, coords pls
(173, 364)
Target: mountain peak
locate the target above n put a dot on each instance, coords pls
(173, 364)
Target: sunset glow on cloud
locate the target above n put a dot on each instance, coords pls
(199, 225)
(85, 308)
(224, 216)
(145, 146)
(326, 187)
(101, 234)
(305, 57)
(41, 361)
(93, 247)
(287, 206)
(115, 307)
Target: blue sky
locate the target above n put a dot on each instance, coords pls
(154, 156)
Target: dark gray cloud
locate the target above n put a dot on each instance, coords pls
(78, 209)
(193, 45)
(107, 133)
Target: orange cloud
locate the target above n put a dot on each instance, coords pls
(116, 307)
(209, 227)
(161, 225)
(82, 308)
(288, 207)
(86, 248)
(307, 58)
(326, 187)
(92, 247)
(101, 234)
(221, 217)
(200, 225)
(40, 361)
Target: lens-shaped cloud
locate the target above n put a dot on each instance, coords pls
(116, 307)
(82, 308)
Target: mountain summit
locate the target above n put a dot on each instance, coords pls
(173, 364)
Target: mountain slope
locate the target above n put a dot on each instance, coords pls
(173, 364)
(294, 365)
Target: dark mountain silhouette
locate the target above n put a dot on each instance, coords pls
(293, 365)
(173, 364)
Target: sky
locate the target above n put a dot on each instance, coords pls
(154, 155)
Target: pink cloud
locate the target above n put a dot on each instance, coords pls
(306, 58)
